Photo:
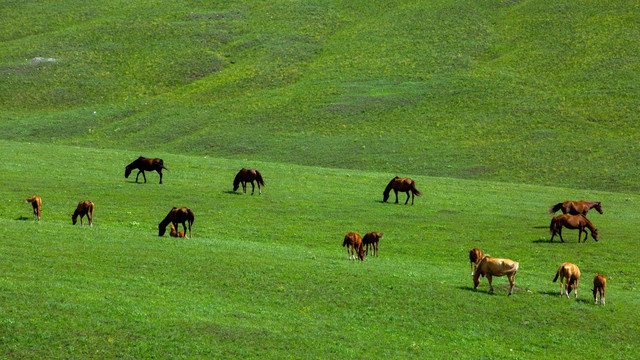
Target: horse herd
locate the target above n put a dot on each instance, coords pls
(573, 217)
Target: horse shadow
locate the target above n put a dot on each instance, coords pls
(231, 192)
(23, 218)
(546, 241)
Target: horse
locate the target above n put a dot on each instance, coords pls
(475, 255)
(248, 175)
(490, 266)
(145, 164)
(572, 222)
(174, 233)
(576, 207)
(370, 240)
(353, 242)
(36, 202)
(571, 275)
(182, 215)
(599, 285)
(401, 184)
(84, 208)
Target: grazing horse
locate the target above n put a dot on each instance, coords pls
(145, 164)
(572, 222)
(353, 242)
(599, 285)
(84, 208)
(576, 207)
(490, 266)
(571, 275)
(401, 184)
(182, 215)
(248, 175)
(175, 233)
(371, 239)
(475, 255)
(36, 202)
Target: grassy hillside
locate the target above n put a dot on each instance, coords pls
(517, 91)
(266, 276)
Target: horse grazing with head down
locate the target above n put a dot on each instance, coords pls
(84, 208)
(370, 240)
(576, 207)
(599, 285)
(490, 266)
(174, 233)
(248, 175)
(145, 164)
(403, 185)
(181, 215)
(475, 255)
(571, 275)
(355, 248)
(36, 203)
(579, 222)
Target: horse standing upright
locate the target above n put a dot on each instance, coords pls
(579, 222)
(570, 274)
(576, 207)
(145, 164)
(36, 202)
(599, 285)
(403, 185)
(490, 266)
(370, 240)
(182, 215)
(248, 175)
(84, 208)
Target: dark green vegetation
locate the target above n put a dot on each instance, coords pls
(498, 109)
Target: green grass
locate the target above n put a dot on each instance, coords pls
(266, 276)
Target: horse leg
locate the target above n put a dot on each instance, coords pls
(138, 174)
(490, 283)
(560, 234)
(512, 280)
(408, 196)
(160, 173)
(244, 187)
(259, 190)
(396, 191)
(375, 248)
(253, 188)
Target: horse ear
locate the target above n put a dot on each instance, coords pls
(381, 235)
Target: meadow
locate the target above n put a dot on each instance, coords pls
(498, 109)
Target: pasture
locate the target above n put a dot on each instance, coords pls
(266, 276)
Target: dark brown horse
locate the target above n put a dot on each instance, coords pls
(576, 207)
(401, 184)
(248, 175)
(145, 164)
(36, 202)
(370, 240)
(572, 222)
(84, 208)
(182, 215)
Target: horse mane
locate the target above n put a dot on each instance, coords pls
(236, 181)
(555, 208)
(167, 219)
(388, 188)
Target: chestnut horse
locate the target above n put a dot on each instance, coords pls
(248, 175)
(572, 222)
(370, 240)
(571, 275)
(174, 233)
(145, 164)
(599, 285)
(401, 184)
(490, 266)
(84, 208)
(475, 255)
(182, 215)
(576, 207)
(36, 202)
(353, 242)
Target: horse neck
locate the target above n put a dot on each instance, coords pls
(389, 187)
(166, 220)
(588, 223)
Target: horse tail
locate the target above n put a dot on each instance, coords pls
(555, 208)
(415, 191)
(557, 274)
(553, 227)
(346, 241)
(190, 218)
(259, 178)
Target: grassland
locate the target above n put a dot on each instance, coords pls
(498, 109)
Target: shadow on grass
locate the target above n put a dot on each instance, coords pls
(231, 192)
(540, 227)
(23, 218)
(546, 241)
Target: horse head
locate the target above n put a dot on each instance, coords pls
(385, 196)
(594, 234)
(74, 217)
(161, 229)
(127, 171)
(598, 207)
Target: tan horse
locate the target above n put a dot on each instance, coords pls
(36, 202)
(355, 248)
(475, 255)
(579, 222)
(599, 285)
(84, 208)
(571, 275)
(370, 240)
(174, 233)
(490, 266)
(403, 185)
(576, 207)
